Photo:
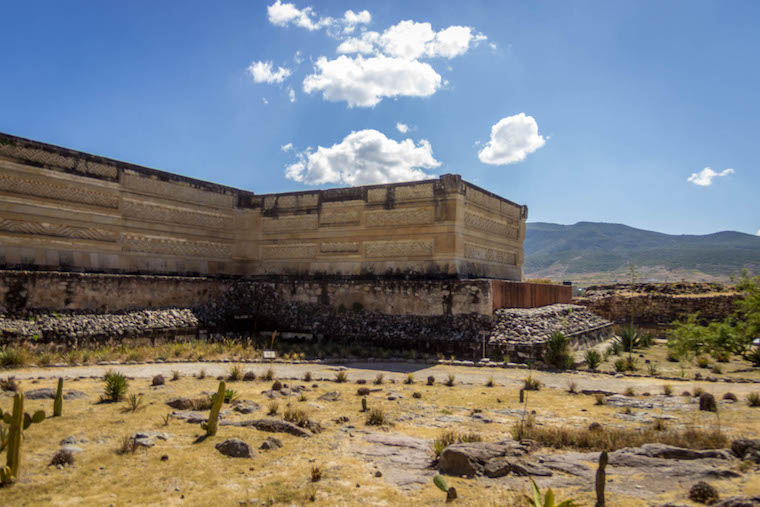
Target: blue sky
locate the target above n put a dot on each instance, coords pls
(601, 111)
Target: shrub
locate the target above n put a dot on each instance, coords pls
(409, 378)
(230, 396)
(416, 395)
(116, 386)
(729, 396)
(430, 380)
(703, 362)
(531, 384)
(235, 373)
(134, 403)
(716, 369)
(363, 391)
(302, 397)
(379, 378)
(612, 439)
(8, 384)
(269, 374)
(13, 357)
(341, 376)
(296, 416)
(631, 363)
(376, 417)
(249, 376)
(753, 400)
(620, 365)
(754, 356)
(490, 382)
(316, 473)
(450, 380)
(557, 353)
(450, 437)
(592, 358)
(667, 390)
(629, 391)
(202, 374)
(572, 387)
(273, 408)
(176, 375)
(128, 445)
(659, 425)
(652, 368)
(629, 338)
(599, 397)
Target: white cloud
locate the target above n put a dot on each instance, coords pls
(365, 82)
(291, 95)
(512, 139)
(363, 158)
(283, 14)
(263, 72)
(757, 233)
(264, 100)
(402, 127)
(412, 40)
(286, 147)
(298, 58)
(704, 178)
(352, 19)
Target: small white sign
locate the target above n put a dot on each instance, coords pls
(270, 354)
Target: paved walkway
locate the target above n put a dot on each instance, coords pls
(397, 371)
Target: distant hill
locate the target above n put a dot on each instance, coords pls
(591, 252)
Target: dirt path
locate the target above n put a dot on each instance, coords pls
(396, 371)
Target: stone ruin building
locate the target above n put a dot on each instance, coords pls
(425, 261)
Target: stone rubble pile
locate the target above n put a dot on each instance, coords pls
(68, 327)
(536, 325)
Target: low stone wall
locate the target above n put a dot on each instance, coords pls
(660, 308)
(522, 333)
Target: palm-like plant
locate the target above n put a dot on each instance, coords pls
(548, 499)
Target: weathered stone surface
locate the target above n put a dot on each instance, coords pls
(148, 438)
(744, 446)
(271, 443)
(470, 459)
(404, 460)
(271, 425)
(234, 448)
(331, 396)
(670, 452)
(48, 393)
(247, 407)
(739, 501)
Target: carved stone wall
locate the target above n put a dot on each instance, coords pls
(66, 210)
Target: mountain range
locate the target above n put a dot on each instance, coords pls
(592, 252)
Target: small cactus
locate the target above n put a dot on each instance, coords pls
(601, 479)
(216, 406)
(58, 403)
(439, 481)
(522, 395)
(364, 404)
(17, 421)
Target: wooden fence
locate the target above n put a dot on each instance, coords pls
(528, 295)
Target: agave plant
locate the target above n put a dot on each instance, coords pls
(548, 499)
(629, 338)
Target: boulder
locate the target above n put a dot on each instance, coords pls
(234, 448)
(247, 407)
(470, 459)
(331, 396)
(48, 393)
(707, 403)
(270, 444)
(702, 492)
(746, 448)
(270, 425)
(158, 380)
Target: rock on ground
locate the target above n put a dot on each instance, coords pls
(234, 448)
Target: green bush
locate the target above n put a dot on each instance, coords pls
(629, 338)
(593, 358)
(620, 365)
(557, 353)
(116, 386)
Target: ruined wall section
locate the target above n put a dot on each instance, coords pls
(66, 210)
(70, 211)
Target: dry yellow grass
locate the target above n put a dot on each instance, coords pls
(196, 474)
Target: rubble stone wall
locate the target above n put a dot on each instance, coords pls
(660, 308)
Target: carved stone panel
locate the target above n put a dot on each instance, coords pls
(410, 192)
(276, 252)
(339, 218)
(405, 248)
(52, 159)
(377, 194)
(53, 190)
(294, 223)
(176, 191)
(174, 246)
(339, 247)
(63, 231)
(487, 254)
(174, 214)
(507, 229)
(404, 216)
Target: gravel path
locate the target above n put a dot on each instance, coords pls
(397, 371)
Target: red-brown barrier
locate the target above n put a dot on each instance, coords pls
(528, 295)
